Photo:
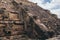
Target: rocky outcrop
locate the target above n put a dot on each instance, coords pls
(21, 17)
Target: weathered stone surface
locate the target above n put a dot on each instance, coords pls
(21, 17)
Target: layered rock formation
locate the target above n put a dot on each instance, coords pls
(26, 19)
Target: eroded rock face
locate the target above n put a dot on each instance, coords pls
(21, 17)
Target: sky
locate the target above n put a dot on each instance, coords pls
(52, 5)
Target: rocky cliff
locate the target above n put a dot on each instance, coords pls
(24, 19)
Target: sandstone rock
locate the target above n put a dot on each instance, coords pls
(21, 17)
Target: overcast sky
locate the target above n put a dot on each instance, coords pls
(52, 5)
